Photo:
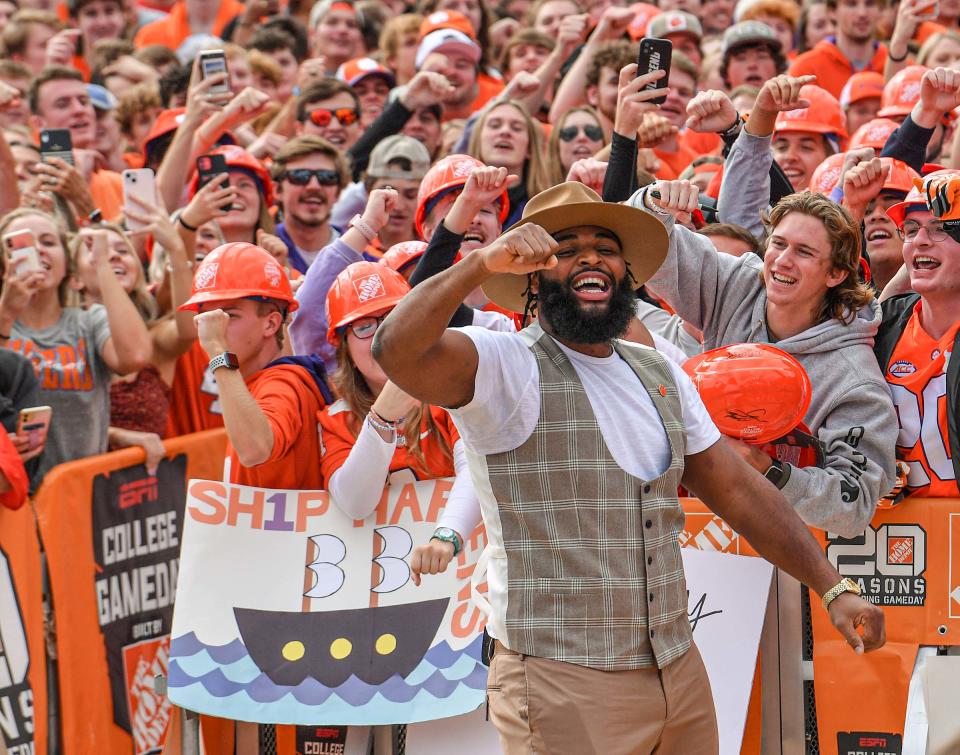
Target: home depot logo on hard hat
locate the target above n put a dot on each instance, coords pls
(272, 272)
(206, 276)
(369, 287)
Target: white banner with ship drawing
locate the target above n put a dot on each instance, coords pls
(288, 611)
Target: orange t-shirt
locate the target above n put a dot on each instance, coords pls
(488, 88)
(106, 188)
(917, 376)
(701, 143)
(337, 425)
(831, 67)
(291, 400)
(194, 401)
(672, 164)
(175, 28)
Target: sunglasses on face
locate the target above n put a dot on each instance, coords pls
(345, 115)
(911, 228)
(569, 133)
(365, 327)
(302, 176)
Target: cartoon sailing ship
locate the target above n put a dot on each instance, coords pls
(372, 643)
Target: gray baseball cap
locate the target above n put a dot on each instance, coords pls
(675, 22)
(399, 147)
(749, 33)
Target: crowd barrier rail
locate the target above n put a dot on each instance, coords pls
(111, 537)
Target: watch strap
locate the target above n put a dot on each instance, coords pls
(227, 359)
(778, 473)
(448, 535)
(844, 585)
(362, 228)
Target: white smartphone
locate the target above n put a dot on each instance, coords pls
(21, 249)
(141, 184)
(214, 62)
(34, 423)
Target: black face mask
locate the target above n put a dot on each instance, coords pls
(559, 306)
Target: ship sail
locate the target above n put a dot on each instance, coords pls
(329, 551)
(397, 545)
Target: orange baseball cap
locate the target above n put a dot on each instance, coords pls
(354, 71)
(447, 19)
(643, 13)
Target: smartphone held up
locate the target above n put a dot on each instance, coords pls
(655, 55)
(21, 250)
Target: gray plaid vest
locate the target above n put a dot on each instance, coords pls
(594, 574)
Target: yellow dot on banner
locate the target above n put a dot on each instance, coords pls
(293, 650)
(340, 648)
(386, 644)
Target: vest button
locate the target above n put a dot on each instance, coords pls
(648, 524)
(653, 632)
(649, 560)
(651, 597)
(646, 488)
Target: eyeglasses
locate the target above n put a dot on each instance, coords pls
(346, 115)
(910, 229)
(302, 176)
(569, 133)
(365, 327)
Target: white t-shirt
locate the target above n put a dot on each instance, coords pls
(496, 321)
(506, 404)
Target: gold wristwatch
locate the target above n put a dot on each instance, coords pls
(844, 585)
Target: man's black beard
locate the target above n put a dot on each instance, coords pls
(559, 306)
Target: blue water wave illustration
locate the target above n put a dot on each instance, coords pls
(224, 681)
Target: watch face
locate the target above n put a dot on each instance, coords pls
(231, 360)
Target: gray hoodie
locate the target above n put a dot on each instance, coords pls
(851, 411)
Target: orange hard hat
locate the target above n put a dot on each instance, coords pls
(360, 290)
(449, 173)
(643, 13)
(873, 133)
(799, 448)
(917, 195)
(239, 159)
(827, 173)
(824, 116)
(239, 270)
(753, 391)
(901, 176)
(863, 85)
(902, 92)
(400, 255)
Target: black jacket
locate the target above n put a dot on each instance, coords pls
(896, 314)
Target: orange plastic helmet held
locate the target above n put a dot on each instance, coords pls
(824, 116)
(360, 290)
(238, 158)
(239, 271)
(753, 391)
(917, 195)
(827, 173)
(901, 93)
(450, 172)
(873, 133)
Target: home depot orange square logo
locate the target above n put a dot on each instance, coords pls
(900, 550)
(953, 572)
(708, 532)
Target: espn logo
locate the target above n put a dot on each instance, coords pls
(369, 287)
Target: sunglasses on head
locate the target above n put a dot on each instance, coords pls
(302, 176)
(365, 327)
(569, 133)
(346, 115)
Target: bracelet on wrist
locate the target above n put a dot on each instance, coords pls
(394, 423)
(373, 419)
(185, 224)
(733, 129)
(900, 59)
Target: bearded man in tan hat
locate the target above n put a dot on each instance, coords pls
(577, 442)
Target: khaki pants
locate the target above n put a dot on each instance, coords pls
(553, 708)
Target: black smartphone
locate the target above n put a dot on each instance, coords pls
(208, 168)
(655, 55)
(56, 142)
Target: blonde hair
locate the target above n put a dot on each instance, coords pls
(394, 30)
(140, 295)
(25, 212)
(534, 166)
(927, 48)
(844, 300)
(557, 173)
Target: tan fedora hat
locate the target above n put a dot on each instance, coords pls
(643, 238)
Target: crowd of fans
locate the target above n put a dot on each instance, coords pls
(805, 162)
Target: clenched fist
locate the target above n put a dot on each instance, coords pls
(521, 250)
